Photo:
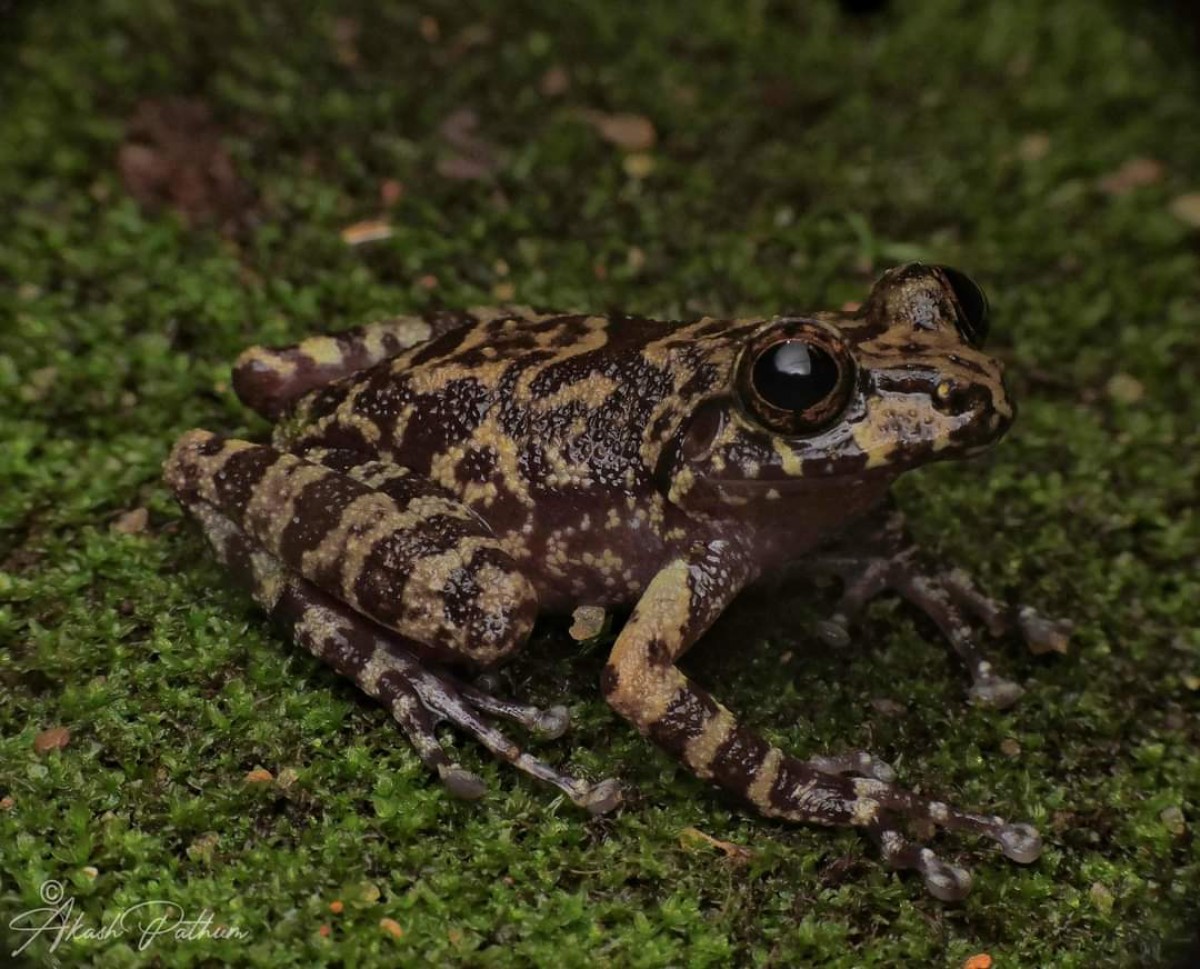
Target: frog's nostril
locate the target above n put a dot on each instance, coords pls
(952, 397)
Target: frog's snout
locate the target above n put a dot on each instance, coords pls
(983, 411)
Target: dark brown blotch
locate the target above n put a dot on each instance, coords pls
(686, 717)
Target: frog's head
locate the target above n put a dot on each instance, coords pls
(844, 398)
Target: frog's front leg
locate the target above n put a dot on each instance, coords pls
(877, 555)
(378, 574)
(642, 683)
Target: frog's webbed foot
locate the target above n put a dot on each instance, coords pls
(884, 559)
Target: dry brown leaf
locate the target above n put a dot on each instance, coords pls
(692, 837)
(1033, 147)
(1134, 173)
(1186, 208)
(638, 165)
(50, 739)
(555, 82)
(369, 230)
(132, 522)
(459, 129)
(391, 191)
(630, 132)
(346, 31)
(1125, 388)
(173, 157)
(473, 157)
(460, 168)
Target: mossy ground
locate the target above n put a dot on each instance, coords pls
(799, 152)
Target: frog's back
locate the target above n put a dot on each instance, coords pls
(523, 402)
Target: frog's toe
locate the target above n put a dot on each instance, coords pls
(601, 798)
(549, 723)
(944, 881)
(858, 762)
(1044, 635)
(553, 723)
(1020, 842)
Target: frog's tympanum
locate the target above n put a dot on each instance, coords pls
(434, 483)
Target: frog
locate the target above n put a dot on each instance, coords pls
(434, 483)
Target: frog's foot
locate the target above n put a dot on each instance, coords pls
(947, 598)
(418, 694)
(886, 807)
(1041, 635)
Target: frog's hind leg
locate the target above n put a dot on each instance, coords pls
(376, 573)
(268, 380)
(417, 693)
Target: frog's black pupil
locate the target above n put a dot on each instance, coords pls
(973, 324)
(793, 375)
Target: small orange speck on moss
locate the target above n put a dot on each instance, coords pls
(54, 738)
(391, 927)
(981, 960)
(259, 776)
(336, 906)
(7, 803)
(324, 931)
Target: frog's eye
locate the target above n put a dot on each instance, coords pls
(795, 384)
(971, 306)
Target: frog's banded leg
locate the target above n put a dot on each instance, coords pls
(643, 684)
(410, 557)
(417, 694)
(268, 379)
(877, 556)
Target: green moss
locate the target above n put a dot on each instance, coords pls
(798, 153)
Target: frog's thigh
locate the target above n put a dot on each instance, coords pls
(411, 558)
(269, 379)
(642, 683)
